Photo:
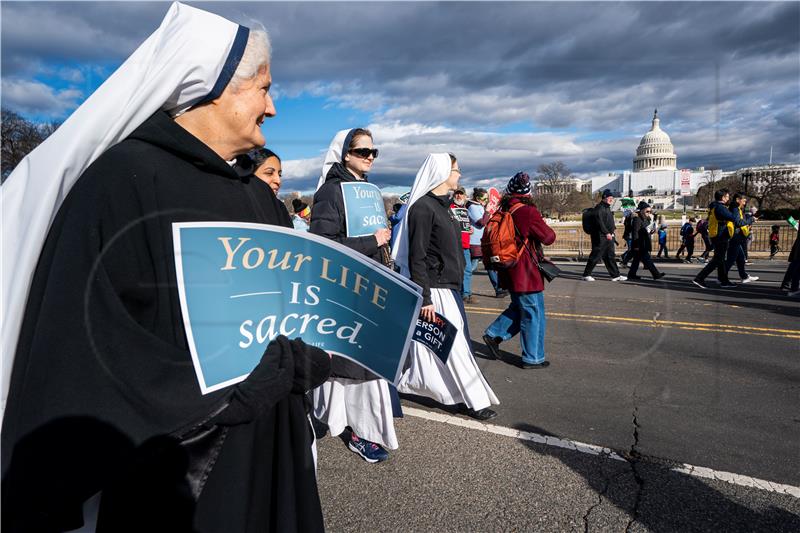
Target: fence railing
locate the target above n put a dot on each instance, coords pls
(571, 240)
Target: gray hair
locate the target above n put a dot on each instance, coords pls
(257, 55)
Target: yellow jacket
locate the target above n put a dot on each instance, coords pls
(731, 229)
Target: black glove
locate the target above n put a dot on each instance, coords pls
(268, 383)
(312, 365)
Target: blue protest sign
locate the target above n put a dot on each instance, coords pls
(363, 206)
(241, 285)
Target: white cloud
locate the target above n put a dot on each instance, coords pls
(37, 98)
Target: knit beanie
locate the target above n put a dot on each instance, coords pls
(298, 205)
(519, 184)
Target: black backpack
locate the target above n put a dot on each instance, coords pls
(589, 220)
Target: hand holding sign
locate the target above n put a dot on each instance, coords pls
(494, 201)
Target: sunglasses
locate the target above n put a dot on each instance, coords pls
(365, 152)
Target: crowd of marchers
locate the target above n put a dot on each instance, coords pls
(105, 427)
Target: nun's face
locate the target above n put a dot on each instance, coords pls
(452, 179)
(242, 110)
(270, 173)
(357, 163)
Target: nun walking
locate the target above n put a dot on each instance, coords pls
(353, 397)
(105, 423)
(428, 251)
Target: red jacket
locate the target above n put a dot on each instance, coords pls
(524, 276)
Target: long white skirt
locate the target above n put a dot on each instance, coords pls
(460, 380)
(365, 406)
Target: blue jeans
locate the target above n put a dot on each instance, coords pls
(466, 289)
(492, 274)
(524, 315)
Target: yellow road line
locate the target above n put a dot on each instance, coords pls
(671, 324)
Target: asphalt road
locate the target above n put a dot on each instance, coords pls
(711, 377)
(662, 372)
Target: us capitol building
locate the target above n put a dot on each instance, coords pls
(655, 176)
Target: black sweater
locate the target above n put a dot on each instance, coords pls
(435, 256)
(328, 217)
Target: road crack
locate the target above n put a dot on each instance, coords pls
(634, 458)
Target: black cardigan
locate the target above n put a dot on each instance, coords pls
(435, 255)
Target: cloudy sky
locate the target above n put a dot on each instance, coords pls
(504, 86)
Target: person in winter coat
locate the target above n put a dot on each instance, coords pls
(640, 235)
(353, 398)
(720, 233)
(687, 240)
(328, 216)
(702, 230)
(458, 206)
(774, 241)
(736, 250)
(525, 314)
(478, 217)
(791, 280)
(428, 251)
(627, 218)
(104, 397)
(301, 216)
(603, 240)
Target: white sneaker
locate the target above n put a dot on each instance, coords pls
(588, 278)
(619, 278)
(749, 279)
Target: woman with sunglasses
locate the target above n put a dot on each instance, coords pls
(428, 250)
(353, 397)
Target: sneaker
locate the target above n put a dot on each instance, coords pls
(588, 278)
(493, 344)
(633, 278)
(793, 293)
(750, 279)
(727, 285)
(699, 283)
(369, 451)
(659, 276)
(748, 262)
(468, 299)
(501, 294)
(619, 278)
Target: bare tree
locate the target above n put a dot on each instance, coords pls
(772, 190)
(554, 190)
(19, 138)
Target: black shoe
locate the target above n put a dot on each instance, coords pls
(543, 364)
(501, 294)
(493, 345)
(659, 276)
(727, 285)
(699, 283)
(482, 414)
(634, 278)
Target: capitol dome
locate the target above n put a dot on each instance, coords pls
(655, 150)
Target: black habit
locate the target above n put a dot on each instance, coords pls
(103, 392)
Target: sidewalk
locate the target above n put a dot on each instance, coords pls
(449, 478)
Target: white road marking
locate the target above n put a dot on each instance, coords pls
(592, 449)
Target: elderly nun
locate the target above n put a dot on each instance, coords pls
(428, 250)
(353, 397)
(104, 404)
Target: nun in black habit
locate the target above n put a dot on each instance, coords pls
(103, 401)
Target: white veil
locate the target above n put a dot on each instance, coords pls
(433, 171)
(333, 155)
(190, 57)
